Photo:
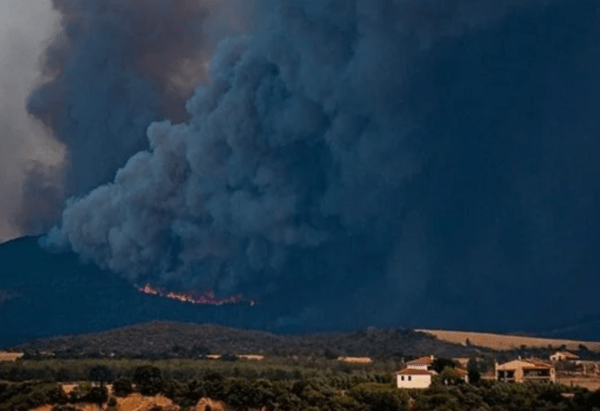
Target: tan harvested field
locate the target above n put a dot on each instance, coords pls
(10, 356)
(506, 342)
(591, 383)
(137, 402)
(134, 402)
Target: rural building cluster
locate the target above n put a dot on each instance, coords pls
(419, 373)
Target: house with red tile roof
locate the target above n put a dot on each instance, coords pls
(414, 378)
(422, 363)
(531, 369)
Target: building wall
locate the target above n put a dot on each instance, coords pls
(251, 357)
(519, 374)
(416, 381)
(356, 360)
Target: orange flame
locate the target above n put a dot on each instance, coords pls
(207, 298)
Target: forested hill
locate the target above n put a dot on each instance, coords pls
(170, 339)
(43, 294)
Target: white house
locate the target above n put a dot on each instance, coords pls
(422, 363)
(414, 378)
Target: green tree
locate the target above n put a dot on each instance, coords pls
(374, 397)
(148, 380)
(122, 387)
(86, 393)
(473, 370)
(438, 401)
(101, 374)
(447, 377)
(439, 364)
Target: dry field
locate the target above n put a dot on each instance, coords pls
(137, 402)
(506, 342)
(591, 383)
(134, 402)
(10, 356)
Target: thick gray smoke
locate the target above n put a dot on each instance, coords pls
(24, 27)
(113, 68)
(351, 154)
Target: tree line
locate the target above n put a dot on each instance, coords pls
(324, 391)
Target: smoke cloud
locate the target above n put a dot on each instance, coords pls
(361, 161)
(24, 26)
(112, 69)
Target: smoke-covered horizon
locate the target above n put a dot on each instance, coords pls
(354, 160)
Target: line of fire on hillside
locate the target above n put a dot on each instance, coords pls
(206, 298)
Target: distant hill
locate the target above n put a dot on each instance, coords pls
(43, 294)
(181, 339)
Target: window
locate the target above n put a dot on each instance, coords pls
(402, 378)
(409, 377)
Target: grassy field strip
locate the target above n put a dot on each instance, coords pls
(506, 342)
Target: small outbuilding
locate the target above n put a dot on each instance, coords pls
(356, 360)
(412, 378)
(563, 356)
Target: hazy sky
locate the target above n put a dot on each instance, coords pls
(25, 25)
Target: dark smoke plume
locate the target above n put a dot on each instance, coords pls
(370, 161)
(115, 67)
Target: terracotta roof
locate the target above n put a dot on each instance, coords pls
(421, 361)
(412, 371)
(461, 372)
(539, 363)
(529, 363)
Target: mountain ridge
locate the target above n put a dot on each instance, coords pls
(173, 339)
(44, 294)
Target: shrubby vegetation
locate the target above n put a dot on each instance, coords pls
(85, 392)
(122, 387)
(164, 340)
(288, 388)
(498, 396)
(26, 395)
(65, 370)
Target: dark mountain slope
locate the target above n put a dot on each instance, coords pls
(44, 294)
(170, 338)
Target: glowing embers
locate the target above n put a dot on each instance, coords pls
(207, 298)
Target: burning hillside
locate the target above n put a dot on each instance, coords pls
(206, 298)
